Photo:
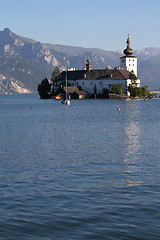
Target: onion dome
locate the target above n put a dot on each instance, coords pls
(128, 51)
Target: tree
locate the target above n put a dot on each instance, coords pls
(137, 91)
(55, 75)
(140, 92)
(55, 79)
(133, 78)
(145, 91)
(44, 89)
(116, 89)
(105, 93)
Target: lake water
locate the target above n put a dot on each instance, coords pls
(79, 172)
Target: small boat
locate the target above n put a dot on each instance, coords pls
(59, 96)
(66, 101)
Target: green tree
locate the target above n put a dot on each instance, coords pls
(55, 75)
(140, 92)
(137, 91)
(44, 89)
(95, 91)
(133, 78)
(105, 93)
(55, 79)
(145, 91)
(116, 89)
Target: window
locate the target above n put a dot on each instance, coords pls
(100, 83)
(83, 83)
(91, 83)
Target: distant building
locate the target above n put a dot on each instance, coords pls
(71, 69)
(75, 93)
(88, 80)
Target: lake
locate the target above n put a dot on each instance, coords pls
(84, 171)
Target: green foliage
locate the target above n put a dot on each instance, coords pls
(135, 91)
(116, 89)
(133, 78)
(44, 89)
(140, 92)
(105, 93)
(55, 79)
(95, 89)
(55, 75)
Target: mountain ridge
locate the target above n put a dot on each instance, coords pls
(27, 62)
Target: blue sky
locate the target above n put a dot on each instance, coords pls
(101, 24)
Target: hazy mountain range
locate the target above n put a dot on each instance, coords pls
(24, 62)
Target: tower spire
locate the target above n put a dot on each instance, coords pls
(129, 62)
(128, 51)
(88, 65)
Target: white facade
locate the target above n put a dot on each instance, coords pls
(89, 85)
(129, 63)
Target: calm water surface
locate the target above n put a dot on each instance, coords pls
(84, 171)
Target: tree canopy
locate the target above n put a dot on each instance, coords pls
(137, 91)
(133, 78)
(116, 89)
(44, 89)
(55, 75)
(140, 92)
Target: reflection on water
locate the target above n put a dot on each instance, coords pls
(132, 143)
(132, 131)
(132, 139)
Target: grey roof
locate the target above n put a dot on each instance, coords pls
(114, 74)
(129, 56)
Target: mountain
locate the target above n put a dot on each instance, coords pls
(24, 62)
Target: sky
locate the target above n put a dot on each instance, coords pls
(103, 24)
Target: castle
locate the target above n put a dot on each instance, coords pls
(88, 80)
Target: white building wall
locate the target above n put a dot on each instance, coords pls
(137, 81)
(88, 85)
(129, 63)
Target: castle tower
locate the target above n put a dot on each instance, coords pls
(88, 65)
(128, 61)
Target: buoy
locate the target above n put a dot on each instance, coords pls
(118, 109)
(2, 102)
(30, 107)
(145, 99)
